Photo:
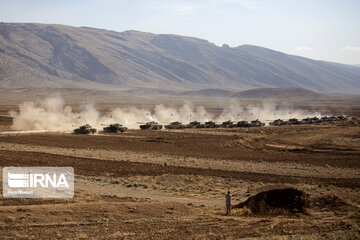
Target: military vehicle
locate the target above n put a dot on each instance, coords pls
(115, 128)
(292, 121)
(211, 124)
(324, 119)
(277, 122)
(228, 124)
(342, 118)
(328, 118)
(307, 120)
(85, 129)
(257, 123)
(310, 120)
(195, 124)
(332, 118)
(243, 124)
(315, 120)
(175, 125)
(151, 126)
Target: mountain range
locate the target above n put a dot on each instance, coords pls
(58, 56)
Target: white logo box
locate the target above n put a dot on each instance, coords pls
(38, 182)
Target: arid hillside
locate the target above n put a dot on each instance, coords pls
(39, 55)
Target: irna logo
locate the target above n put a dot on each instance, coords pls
(38, 182)
(19, 180)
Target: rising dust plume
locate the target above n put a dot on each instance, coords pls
(54, 115)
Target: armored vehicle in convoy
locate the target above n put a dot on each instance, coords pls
(228, 124)
(151, 126)
(292, 121)
(85, 129)
(328, 119)
(243, 124)
(195, 124)
(115, 128)
(307, 120)
(277, 122)
(315, 120)
(342, 118)
(310, 120)
(211, 124)
(257, 123)
(175, 125)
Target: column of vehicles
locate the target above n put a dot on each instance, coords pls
(117, 127)
(309, 120)
(240, 124)
(111, 128)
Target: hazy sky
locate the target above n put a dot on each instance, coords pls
(319, 29)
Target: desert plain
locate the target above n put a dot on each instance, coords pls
(171, 184)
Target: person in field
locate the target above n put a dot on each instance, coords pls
(228, 203)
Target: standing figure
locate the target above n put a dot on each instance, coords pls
(228, 203)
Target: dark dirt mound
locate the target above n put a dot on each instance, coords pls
(276, 201)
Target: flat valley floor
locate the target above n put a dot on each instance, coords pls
(172, 184)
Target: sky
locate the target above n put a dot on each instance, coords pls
(319, 29)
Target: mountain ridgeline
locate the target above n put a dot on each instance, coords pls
(58, 56)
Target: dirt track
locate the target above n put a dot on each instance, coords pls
(171, 184)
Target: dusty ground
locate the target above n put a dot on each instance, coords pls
(171, 184)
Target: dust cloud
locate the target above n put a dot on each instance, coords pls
(52, 114)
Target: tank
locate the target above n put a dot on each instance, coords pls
(307, 120)
(175, 125)
(324, 119)
(315, 120)
(243, 124)
(292, 121)
(342, 118)
(328, 118)
(277, 122)
(257, 123)
(332, 118)
(151, 126)
(195, 124)
(115, 128)
(228, 124)
(211, 124)
(85, 129)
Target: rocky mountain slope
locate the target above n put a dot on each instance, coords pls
(39, 55)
